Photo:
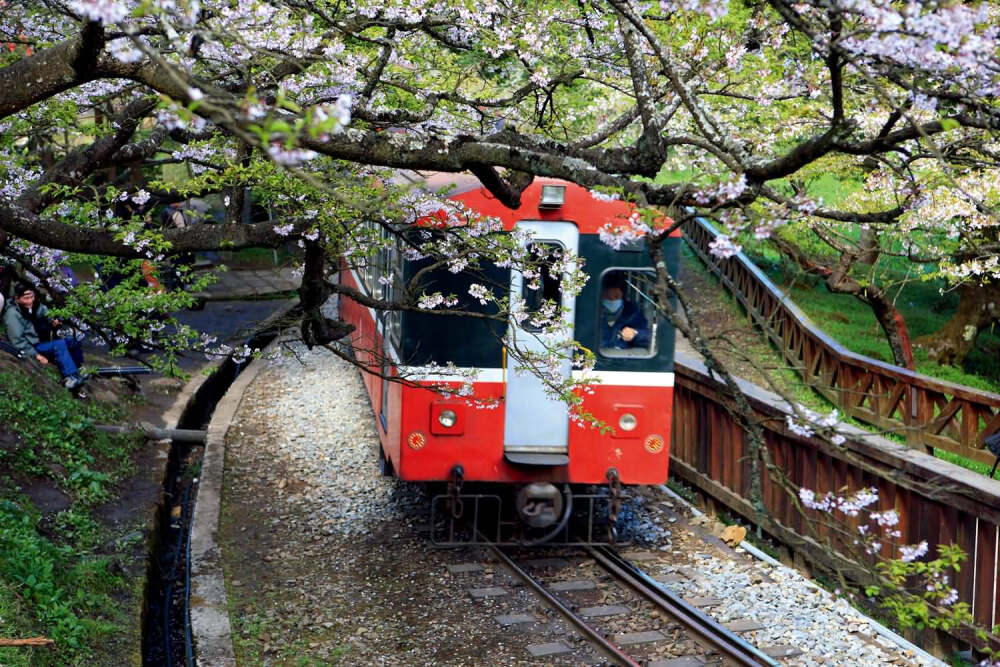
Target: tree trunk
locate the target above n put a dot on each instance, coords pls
(978, 307)
(236, 196)
(313, 293)
(838, 279)
(894, 326)
(888, 317)
(869, 244)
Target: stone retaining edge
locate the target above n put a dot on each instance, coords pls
(210, 627)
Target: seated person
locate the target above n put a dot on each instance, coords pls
(33, 334)
(623, 324)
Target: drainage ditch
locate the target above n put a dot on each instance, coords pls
(166, 636)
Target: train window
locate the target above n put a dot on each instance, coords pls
(393, 289)
(539, 284)
(365, 266)
(367, 271)
(627, 313)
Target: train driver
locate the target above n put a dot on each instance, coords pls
(623, 325)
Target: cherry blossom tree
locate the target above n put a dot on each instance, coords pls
(705, 107)
(693, 107)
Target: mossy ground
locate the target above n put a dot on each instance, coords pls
(67, 571)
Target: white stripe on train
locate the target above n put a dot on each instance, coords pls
(609, 378)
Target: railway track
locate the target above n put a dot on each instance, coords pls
(599, 617)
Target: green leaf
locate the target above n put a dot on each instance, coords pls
(949, 124)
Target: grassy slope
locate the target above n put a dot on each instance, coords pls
(743, 349)
(852, 324)
(61, 570)
(926, 306)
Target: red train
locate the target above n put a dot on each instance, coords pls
(528, 441)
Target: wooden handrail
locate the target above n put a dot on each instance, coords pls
(926, 411)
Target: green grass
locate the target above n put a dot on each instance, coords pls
(16, 623)
(58, 577)
(58, 438)
(976, 466)
(830, 188)
(851, 323)
(925, 308)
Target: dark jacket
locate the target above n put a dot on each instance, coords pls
(628, 316)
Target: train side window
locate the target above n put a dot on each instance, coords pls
(365, 266)
(393, 290)
(627, 314)
(540, 284)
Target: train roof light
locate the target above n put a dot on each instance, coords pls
(553, 196)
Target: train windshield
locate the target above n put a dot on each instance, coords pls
(628, 317)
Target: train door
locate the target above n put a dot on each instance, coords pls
(536, 426)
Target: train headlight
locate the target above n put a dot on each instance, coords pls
(627, 422)
(447, 418)
(627, 417)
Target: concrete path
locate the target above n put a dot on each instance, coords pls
(242, 284)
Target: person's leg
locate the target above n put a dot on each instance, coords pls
(75, 350)
(58, 351)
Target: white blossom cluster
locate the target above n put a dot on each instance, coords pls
(103, 11)
(811, 420)
(618, 235)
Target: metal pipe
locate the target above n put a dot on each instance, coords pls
(155, 433)
(107, 371)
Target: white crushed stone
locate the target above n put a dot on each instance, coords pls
(793, 611)
(319, 425)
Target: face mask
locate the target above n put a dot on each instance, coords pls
(612, 305)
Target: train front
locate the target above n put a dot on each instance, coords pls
(511, 431)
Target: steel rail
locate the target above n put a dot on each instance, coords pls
(693, 619)
(597, 638)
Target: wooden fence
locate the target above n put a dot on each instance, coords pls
(937, 501)
(926, 411)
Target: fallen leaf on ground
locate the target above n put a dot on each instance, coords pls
(733, 535)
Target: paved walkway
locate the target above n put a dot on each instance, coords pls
(243, 284)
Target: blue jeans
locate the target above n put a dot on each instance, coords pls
(67, 354)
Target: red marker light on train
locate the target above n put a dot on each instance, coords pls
(654, 444)
(416, 440)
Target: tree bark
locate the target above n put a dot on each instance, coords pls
(894, 326)
(839, 280)
(313, 293)
(978, 307)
